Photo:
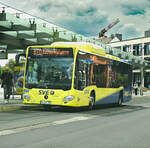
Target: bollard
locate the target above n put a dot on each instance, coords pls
(141, 92)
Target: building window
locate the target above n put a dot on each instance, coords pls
(147, 49)
(118, 47)
(137, 50)
(147, 79)
(127, 48)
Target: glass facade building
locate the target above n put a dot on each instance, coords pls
(138, 47)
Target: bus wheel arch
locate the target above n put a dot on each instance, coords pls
(91, 100)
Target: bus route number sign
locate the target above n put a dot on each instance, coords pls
(50, 52)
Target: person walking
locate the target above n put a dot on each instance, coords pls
(7, 84)
(136, 88)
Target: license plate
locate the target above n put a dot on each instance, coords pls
(45, 102)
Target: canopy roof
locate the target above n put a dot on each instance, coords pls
(19, 30)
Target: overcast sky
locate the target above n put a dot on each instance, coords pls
(88, 17)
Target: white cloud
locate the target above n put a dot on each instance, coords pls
(88, 16)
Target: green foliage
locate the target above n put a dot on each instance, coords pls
(3, 69)
(10, 65)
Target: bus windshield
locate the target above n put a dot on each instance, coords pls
(49, 69)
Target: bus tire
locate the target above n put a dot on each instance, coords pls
(120, 99)
(91, 101)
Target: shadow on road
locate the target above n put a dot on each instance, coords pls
(99, 110)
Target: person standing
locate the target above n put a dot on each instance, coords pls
(7, 84)
(136, 88)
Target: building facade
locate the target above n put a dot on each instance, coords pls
(138, 47)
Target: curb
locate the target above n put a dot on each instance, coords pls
(17, 107)
(10, 108)
(140, 96)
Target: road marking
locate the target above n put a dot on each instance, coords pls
(146, 106)
(40, 125)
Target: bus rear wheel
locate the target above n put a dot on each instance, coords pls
(120, 100)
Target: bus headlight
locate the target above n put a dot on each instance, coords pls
(68, 98)
(26, 96)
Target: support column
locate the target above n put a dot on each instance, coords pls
(142, 76)
(131, 48)
(121, 47)
(142, 68)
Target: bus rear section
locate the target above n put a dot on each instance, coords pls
(104, 79)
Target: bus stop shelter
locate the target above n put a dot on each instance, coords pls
(19, 30)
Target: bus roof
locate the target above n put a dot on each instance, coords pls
(87, 47)
(83, 46)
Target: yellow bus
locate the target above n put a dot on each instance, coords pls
(19, 73)
(75, 74)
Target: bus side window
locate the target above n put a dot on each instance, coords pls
(100, 75)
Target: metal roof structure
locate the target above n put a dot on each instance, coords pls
(19, 30)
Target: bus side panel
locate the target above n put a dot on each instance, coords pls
(107, 95)
(110, 99)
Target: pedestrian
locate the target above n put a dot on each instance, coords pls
(7, 84)
(136, 88)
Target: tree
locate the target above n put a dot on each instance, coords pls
(10, 65)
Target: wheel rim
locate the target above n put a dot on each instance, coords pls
(91, 102)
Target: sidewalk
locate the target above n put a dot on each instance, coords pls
(15, 103)
(144, 94)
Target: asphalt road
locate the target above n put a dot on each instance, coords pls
(127, 126)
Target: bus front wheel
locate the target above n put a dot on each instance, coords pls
(91, 101)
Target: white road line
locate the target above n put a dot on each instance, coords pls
(72, 120)
(147, 106)
(40, 125)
